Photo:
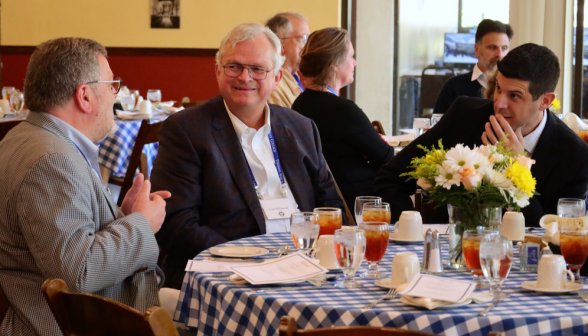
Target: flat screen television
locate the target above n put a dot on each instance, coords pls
(459, 49)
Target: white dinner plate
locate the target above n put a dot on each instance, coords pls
(570, 287)
(238, 251)
(404, 241)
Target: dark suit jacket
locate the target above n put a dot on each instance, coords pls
(457, 86)
(561, 167)
(201, 162)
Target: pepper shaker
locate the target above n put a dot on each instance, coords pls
(427, 250)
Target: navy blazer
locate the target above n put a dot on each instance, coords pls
(561, 167)
(201, 162)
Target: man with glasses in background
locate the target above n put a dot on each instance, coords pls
(232, 161)
(293, 31)
(57, 219)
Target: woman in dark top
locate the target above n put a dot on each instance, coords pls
(351, 146)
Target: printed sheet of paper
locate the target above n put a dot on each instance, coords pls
(439, 288)
(209, 266)
(295, 266)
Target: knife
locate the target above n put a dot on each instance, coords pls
(234, 260)
(494, 304)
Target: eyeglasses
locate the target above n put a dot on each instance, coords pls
(301, 38)
(115, 86)
(234, 70)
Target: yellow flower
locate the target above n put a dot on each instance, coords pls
(556, 103)
(522, 178)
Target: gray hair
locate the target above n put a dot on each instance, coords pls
(249, 31)
(57, 68)
(280, 23)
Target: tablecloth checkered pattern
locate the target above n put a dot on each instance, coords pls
(217, 307)
(115, 150)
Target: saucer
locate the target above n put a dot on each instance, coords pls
(532, 285)
(239, 251)
(400, 241)
(384, 283)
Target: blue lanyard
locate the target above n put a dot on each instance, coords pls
(299, 82)
(278, 168)
(332, 91)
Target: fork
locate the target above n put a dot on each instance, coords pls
(583, 294)
(390, 295)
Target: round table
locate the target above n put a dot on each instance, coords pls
(217, 306)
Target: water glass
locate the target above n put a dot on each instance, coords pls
(376, 236)
(154, 96)
(420, 126)
(359, 202)
(573, 242)
(127, 101)
(330, 219)
(5, 91)
(496, 259)
(17, 102)
(304, 227)
(350, 250)
(571, 207)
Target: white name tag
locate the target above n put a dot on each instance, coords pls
(280, 208)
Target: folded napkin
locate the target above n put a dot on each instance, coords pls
(315, 280)
(398, 140)
(132, 115)
(549, 223)
(477, 297)
(574, 122)
(171, 109)
(167, 103)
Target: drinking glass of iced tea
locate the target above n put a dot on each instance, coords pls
(359, 202)
(330, 219)
(471, 253)
(376, 236)
(376, 212)
(573, 242)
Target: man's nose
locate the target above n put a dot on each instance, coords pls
(500, 101)
(245, 75)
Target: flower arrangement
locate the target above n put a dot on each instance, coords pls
(554, 107)
(485, 176)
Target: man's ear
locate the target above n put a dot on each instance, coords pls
(545, 100)
(83, 98)
(477, 49)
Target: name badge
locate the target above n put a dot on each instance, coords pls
(280, 208)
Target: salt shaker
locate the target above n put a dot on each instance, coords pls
(435, 266)
(427, 250)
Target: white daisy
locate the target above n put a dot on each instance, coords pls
(459, 157)
(447, 178)
(496, 178)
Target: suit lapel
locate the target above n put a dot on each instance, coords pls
(230, 148)
(544, 153)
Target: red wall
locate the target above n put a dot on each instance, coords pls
(175, 76)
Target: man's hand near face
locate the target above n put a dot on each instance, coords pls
(497, 128)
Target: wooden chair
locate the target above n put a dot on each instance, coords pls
(148, 133)
(421, 205)
(4, 305)
(193, 103)
(288, 328)
(378, 127)
(7, 126)
(82, 314)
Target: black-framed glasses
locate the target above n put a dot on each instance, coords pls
(301, 38)
(234, 70)
(115, 85)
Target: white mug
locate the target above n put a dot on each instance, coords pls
(145, 107)
(325, 252)
(552, 272)
(513, 225)
(409, 226)
(405, 266)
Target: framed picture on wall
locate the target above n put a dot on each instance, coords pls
(165, 14)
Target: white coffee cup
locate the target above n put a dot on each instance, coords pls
(145, 107)
(513, 225)
(409, 226)
(405, 266)
(5, 106)
(552, 272)
(325, 251)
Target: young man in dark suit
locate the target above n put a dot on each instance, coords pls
(492, 42)
(219, 159)
(525, 82)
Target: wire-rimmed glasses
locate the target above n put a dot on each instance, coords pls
(256, 72)
(115, 85)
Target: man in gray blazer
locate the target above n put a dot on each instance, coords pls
(56, 217)
(219, 163)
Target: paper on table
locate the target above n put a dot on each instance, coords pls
(439, 288)
(441, 228)
(209, 266)
(292, 267)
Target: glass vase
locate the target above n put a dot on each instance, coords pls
(468, 218)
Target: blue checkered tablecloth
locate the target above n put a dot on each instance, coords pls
(217, 307)
(115, 150)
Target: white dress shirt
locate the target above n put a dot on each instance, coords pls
(532, 138)
(478, 75)
(259, 155)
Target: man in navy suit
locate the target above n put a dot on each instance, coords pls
(492, 42)
(525, 82)
(226, 162)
